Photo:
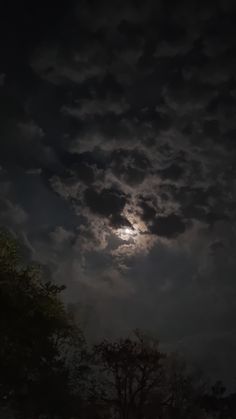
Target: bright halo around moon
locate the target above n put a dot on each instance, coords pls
(134, 236)
(127, 233)
(133, 232)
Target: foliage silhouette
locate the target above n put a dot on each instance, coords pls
(47, 371)
(35, 333)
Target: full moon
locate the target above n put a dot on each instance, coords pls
(128, 230)
(127, 233)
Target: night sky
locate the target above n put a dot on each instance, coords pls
(117, 164)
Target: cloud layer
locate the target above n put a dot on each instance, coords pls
(118, 161)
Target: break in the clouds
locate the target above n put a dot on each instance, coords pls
(118, 162)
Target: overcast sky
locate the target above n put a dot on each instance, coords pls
(117, 164)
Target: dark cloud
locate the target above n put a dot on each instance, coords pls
(131, 166)
(174, 171)
(118, 221)
(108, 202)
(169, 226)
(148, 210)
(117, 162)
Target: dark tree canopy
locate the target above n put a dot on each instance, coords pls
(35, 334)
(132, 370)
(47, 371)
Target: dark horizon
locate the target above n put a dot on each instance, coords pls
(117, 165)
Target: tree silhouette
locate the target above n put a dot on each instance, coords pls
(131, 370)
(35, 335)
(47, 372)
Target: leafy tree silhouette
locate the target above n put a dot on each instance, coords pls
(131, 369)
(36, 335)
(47, 371)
